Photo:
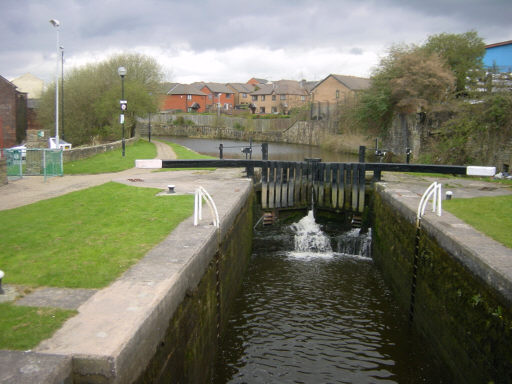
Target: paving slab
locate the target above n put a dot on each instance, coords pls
(19, 367)
(65, 298)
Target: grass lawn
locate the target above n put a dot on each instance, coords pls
(23, 328)
(87, 238)
(112, 161)
(490, 215)
(187, 154)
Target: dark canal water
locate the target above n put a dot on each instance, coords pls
(313, 307)
(307, 314)
(288, 152)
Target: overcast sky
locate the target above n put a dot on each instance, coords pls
(232, 41)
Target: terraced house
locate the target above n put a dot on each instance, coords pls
(279, 97)
(218, 96)
(183, 97)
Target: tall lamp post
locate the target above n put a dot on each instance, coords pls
(122, 72)
(56, 25)
(62, 92)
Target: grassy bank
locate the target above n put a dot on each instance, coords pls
(84, 239)
(489, 215)
(112, 161)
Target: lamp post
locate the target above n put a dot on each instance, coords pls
(122, 72)
(62, 92)
(56, 25)
(149, 121)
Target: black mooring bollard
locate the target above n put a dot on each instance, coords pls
(221, 151)
(264, 151)
(362, 152)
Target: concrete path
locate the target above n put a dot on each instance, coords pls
(33, 188)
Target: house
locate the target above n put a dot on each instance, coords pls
(338, 88)
(241, 93)
(183, 97)
(255, 81)
(219, 96)
(279, 97)
(33, 86)
(13, 114)
(498, 57)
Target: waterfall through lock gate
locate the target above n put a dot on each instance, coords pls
(310, 241)
(313, 308)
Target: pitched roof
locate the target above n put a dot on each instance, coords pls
(185, 89)
(281, 87)
(217, 88)
(351, 82)
(498, 44)
(241, 87)
(263, 89)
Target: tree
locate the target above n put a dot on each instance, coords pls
(408, 80)
(92, 95)
(463, 53)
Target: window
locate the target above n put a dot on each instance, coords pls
(337, 93)
(210, 96)
(228, 95)
(189, 109)
(255, 98)
(274, 109)
(273, 97)
(262, 97)
(262, 109)
(303, 98)
(244, 95)
(282, 97)
(189, 97)
(226, 106)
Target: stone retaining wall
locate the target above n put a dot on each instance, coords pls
(301, 132)
(86, 152)
(462, 305)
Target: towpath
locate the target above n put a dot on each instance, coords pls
(31, 189)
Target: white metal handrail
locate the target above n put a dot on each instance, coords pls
(201, 193)
(434, 191)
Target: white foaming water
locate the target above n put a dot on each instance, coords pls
(310, 240)
(355, 243)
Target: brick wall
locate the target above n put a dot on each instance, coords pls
(7, 114)
(3, 172)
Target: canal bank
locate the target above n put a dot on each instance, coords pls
(168, 305)
(463, 285)
(160, 319)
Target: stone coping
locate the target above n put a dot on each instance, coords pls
(485, 257)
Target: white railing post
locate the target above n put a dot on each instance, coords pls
(434, 191)
(201, 193)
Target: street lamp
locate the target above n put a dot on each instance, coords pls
(122, 72)
(62, 92)
(56, 25)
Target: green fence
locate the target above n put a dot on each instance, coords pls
(34, 162)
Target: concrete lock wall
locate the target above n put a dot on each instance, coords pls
(466, 320)
(187, 352)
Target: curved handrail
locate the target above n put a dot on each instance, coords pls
(198, 197)
(434, 191)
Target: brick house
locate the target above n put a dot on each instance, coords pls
(13, 114)
(338, 88)
(255, 81)
(183, 97)
(217, 96)
(279, 97)
(241, 92)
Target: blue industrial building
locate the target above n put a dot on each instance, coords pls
(499, 56)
